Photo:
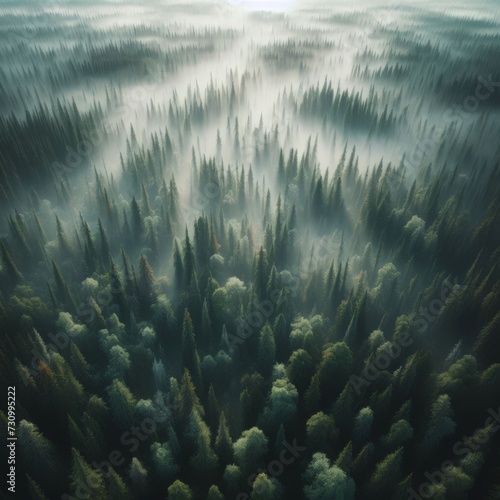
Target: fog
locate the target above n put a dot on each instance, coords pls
(352, 152)
(162, 53)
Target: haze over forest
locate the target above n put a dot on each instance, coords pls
(251, 249)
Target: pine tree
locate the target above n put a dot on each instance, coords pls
(363, 462)
(281, 170)
(334, 370)
(187, 399)
(204, 461)
(312, 398)
(118, 293)
(105, 252)
(213, 410)
(85, 479)
(63, 294)
(178, 269)
(122, 404)
(263, 488)
(145, 285)
(137, 220)
(12, 273)
(139, 475)
(387, 474)
(280, 439)
(188, 260)
(250, 448)
(261, 275)
(206, 326)
(195, 303)
(321, 433)
(344, 460)
(163, 460)
(487, 344)
(180, 491)
(64, 246)
(362, 427)
(300, 369)
(223, 442)
(214, 493)
(37, 453)
(34, 489)
(117, 487)
(190, 357)
(267, 351)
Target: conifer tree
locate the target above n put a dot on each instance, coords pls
(122, 403)
(37, 452)
(146, 284)
(214, 493)
(180, 491)
(187, 398)
(223, 442)
(190, 357)
(116, 486)
(85, 480)
(137, 220)
(138, 474)
(267, 351)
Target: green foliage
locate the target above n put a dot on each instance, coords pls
(214, 493)
(399, 435)
(204, 460)
(363, 426)
(250, 448)
(117, 487)
(322, 433)
(334, 370)
(187, 399)
(190, 357)
(300, 369)
(281, 406)
(333, 297)
(122, 403)
(267, 351)
(180, 491)
(223, 442)
(138, 474)
(326, 481)
(387, 474)
(263, 488)
(37, 452)
(232, 476)
(163, 460)
(85, 479)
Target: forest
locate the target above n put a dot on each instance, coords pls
(250, 250)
